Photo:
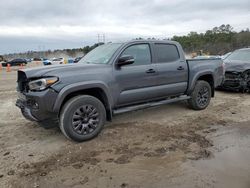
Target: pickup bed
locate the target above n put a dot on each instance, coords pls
(115, 78)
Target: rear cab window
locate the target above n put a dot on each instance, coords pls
(166, 53)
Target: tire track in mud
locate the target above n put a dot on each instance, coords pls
(157, 140)
(122, 143)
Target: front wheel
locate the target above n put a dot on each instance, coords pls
(82, 118)
(201, 95)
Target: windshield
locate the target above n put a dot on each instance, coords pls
(239, 55)
(101, 54)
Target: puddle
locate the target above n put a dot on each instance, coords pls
(230, 167)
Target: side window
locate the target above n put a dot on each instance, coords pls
(140, 52)
(166, 53)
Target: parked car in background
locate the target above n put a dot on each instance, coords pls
(225, 55)
(37, 59)
(115, 78)
(70, 60)
(77, 59)
(47, 62)
(57, 61)
(15, 62)
(237, 67)
(29, 60)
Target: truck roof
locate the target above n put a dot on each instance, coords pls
(152, 40)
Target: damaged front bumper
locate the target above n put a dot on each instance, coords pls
(37, 106)
(237, 81)
(25, 110)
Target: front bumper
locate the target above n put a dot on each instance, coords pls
(37, 106)
(236, 82)
(25, 110)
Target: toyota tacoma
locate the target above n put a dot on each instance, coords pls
(115, 78)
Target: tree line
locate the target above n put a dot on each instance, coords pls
(216, 41)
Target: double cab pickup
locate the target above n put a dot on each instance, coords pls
(115, 78)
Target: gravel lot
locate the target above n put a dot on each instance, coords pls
(167, 146)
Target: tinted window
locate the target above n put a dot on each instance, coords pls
(140, 52)
(166, 53)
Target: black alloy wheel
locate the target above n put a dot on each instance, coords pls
(85, 120)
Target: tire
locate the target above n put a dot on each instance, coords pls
(82, 118)
(201, 96)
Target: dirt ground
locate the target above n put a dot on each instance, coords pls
(167, 146)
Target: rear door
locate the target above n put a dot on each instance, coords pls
(135, 82)
(172, 69)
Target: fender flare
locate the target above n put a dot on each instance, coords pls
(196, 77)
(82, 86)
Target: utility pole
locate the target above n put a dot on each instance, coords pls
(39, 51)
(103, 37)
(98, 36)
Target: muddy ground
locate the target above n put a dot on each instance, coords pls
(167, 146)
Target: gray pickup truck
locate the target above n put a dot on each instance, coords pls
(115, 78)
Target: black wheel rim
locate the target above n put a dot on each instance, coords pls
(85, 120)
(203, 96)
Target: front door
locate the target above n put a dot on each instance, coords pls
(135, 82)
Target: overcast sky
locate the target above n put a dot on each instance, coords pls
(57, 24)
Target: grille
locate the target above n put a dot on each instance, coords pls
(232, 75)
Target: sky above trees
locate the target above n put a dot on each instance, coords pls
(46, 24)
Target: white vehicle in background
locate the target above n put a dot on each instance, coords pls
(57, 61)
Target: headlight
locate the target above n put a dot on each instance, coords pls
(41, 84)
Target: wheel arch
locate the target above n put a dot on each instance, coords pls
(98, 90)
(206, 76)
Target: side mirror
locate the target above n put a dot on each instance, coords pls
(126, 60)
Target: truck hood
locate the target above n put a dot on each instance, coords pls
(237, 66)
(56, 70)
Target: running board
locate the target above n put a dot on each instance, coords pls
(150, 104)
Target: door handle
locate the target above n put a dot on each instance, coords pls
(150, 71)
(180, 68)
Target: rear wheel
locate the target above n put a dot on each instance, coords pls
(201, 95)
(82, 118)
